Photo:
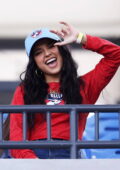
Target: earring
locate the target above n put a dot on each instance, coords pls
(39, 75)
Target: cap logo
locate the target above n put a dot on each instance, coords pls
(36, 33)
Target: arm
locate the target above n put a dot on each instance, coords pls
(16, 128)
(103, 72)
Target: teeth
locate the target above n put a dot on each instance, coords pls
(51, 60)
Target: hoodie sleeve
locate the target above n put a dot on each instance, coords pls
(103, 72)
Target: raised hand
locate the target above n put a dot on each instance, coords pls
(68, 33)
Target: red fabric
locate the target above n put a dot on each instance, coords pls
(95, 81)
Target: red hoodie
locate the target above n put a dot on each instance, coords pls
(95, 81)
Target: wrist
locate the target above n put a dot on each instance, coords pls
(81, 38)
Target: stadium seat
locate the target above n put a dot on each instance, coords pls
(108, 130)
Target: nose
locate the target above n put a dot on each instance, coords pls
(47, 52)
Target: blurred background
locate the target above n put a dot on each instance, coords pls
(19, 18)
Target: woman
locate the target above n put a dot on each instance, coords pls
(51, 78)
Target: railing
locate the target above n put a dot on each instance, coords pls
(74, 144)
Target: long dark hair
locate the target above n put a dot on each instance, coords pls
(35, 87)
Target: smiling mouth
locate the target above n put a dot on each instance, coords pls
(51, 61)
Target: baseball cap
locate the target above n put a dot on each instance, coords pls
(37, 35)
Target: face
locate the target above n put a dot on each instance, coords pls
(48, 59)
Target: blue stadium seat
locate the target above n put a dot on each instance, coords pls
(108, 130)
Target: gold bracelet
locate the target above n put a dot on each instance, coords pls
(79, 38)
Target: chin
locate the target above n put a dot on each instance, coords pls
(54, 73)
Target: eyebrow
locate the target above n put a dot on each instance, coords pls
(36, 47)
(36, 50)
(47, 44)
